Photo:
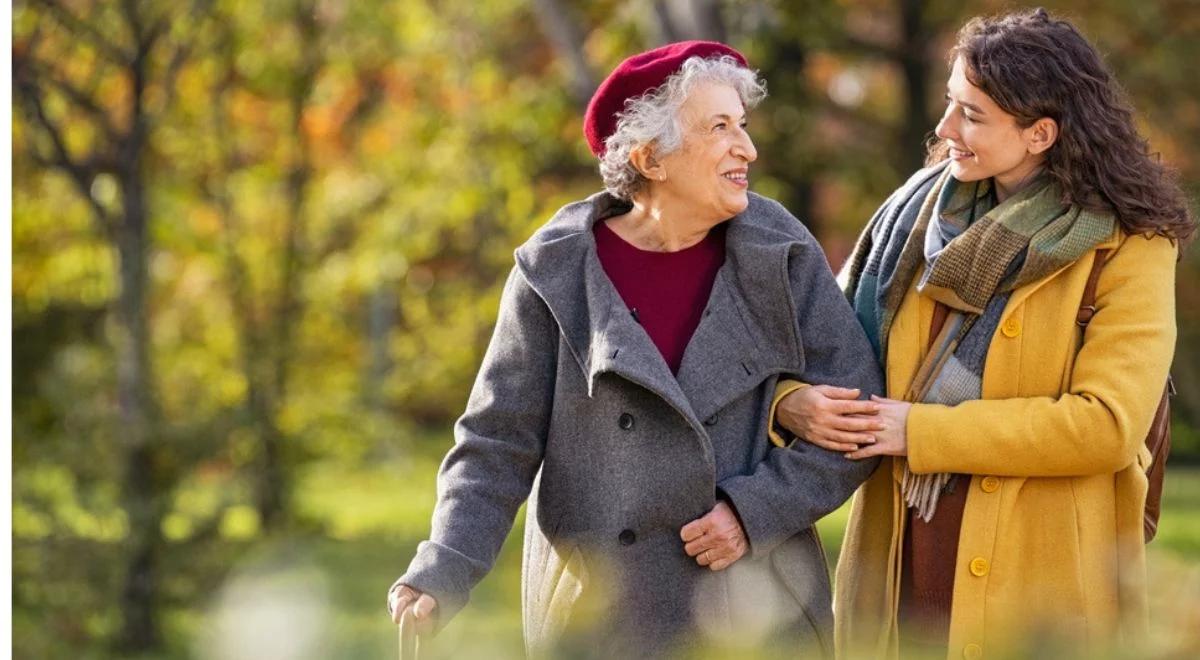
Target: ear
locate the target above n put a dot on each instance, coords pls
(643, 160)
(1041, 135)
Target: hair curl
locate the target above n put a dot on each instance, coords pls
(1034, 65)
(653, 117)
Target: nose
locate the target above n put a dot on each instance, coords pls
(743, 147)
(945, 127)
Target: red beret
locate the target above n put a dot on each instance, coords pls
(638, 75)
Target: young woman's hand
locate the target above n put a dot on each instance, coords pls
(892, 440)
(829, 417)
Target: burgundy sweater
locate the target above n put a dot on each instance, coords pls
(666, 292)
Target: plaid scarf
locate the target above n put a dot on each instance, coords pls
(975, 253)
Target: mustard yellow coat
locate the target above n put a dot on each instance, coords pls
(1051, 543)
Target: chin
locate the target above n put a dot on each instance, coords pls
(964, 173)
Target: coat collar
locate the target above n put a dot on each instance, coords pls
(1019, 296)
(746, 333)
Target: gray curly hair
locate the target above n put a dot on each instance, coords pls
(653, 118)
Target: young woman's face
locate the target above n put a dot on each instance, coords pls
(985, 141)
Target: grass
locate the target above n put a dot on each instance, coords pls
(377, 514)
(321, 595)
(1179, 527)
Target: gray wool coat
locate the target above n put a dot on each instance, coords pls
(575, 409)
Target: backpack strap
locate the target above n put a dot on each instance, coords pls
(1087, 305)
(1158, 438)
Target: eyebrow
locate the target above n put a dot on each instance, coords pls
(970, 106)
(722, 116)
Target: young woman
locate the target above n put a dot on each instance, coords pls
(1009, 511)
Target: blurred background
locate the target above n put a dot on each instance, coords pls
(257, 254)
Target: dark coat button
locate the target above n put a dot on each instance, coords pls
(627, 537)
(625, 421)
(711, 421)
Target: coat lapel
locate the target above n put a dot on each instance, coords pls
(621, 346)
(748, 332)
(721, 360)
(561, 264)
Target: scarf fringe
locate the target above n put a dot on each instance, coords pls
(921, 491)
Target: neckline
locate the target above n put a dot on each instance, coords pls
(602, 226)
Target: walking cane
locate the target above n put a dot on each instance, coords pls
(408, 635)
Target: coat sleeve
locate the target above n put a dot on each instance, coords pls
(1100, 423)
(794, 486)
(499, 444)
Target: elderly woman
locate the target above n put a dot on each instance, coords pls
(1009, 512)
(628, 384)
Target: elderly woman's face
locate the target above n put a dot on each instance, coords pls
(707, 175)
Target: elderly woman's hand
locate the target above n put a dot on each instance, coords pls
(829, 417)
(893, 439)
(402, 596)
(716, 539)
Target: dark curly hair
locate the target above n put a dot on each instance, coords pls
(1033, 65)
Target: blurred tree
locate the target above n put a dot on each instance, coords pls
(266, 327)
(131, 55)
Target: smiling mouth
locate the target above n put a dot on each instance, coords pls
(958, 154)
(736, 177)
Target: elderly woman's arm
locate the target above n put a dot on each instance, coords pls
(827, 416)
(798, 484)
(499, 443)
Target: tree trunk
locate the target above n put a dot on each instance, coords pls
(142, 494)
(382, 312)
(274, 482)
(146, 480)
(561, 29)
(678, 20)
(914, 63)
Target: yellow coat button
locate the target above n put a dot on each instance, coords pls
(972, 652)
(990, 484)
(979, 567)
(1011, 327)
